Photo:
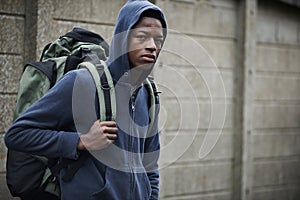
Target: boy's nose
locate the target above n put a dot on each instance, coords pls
(151, 45)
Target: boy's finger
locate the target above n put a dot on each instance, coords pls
(108, 123)
(111, 129)
(112, 136)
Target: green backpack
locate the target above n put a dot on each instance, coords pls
(58, 57)
(64, 54)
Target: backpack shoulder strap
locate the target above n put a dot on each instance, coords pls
(104, 85)
(107, 100)
(153, 100)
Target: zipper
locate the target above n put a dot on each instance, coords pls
(130, 150)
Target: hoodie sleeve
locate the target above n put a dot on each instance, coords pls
(47, 127)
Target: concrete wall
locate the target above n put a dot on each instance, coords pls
(229, 74)
(276, 106)
(196, 74)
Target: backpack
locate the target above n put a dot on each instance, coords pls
(78, 48)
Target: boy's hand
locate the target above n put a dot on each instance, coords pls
(100, 135)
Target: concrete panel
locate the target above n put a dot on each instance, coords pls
(221, 51)
(267, 173)
(180, 115)
(210, 196)
(277, 24)
(278, 193)
(204, 17)
(91, 11)
(188, 146)
(7, 104)
(277, 87)
(12, 36)
(288, 31)
(276, 116)
(278, 58)
(182, 49)
(16, 7)
(196, 178)
(44, 24)
(223, 3)
(10, 73)
(62, 27)
(266, 28)
(194, 82)
(276, 144)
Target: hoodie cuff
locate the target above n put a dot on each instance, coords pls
(69, 142)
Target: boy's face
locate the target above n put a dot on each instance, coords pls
(145, 42)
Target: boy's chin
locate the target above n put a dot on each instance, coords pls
(139, 73)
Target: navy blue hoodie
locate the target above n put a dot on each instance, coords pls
(128, 168)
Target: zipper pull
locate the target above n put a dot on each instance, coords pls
(132, 102)
(133, 96)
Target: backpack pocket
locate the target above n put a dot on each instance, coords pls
(23, 179)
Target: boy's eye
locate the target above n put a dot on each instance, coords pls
(141, 37)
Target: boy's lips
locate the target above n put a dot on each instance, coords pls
(150, 58)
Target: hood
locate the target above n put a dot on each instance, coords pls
(129, 15)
